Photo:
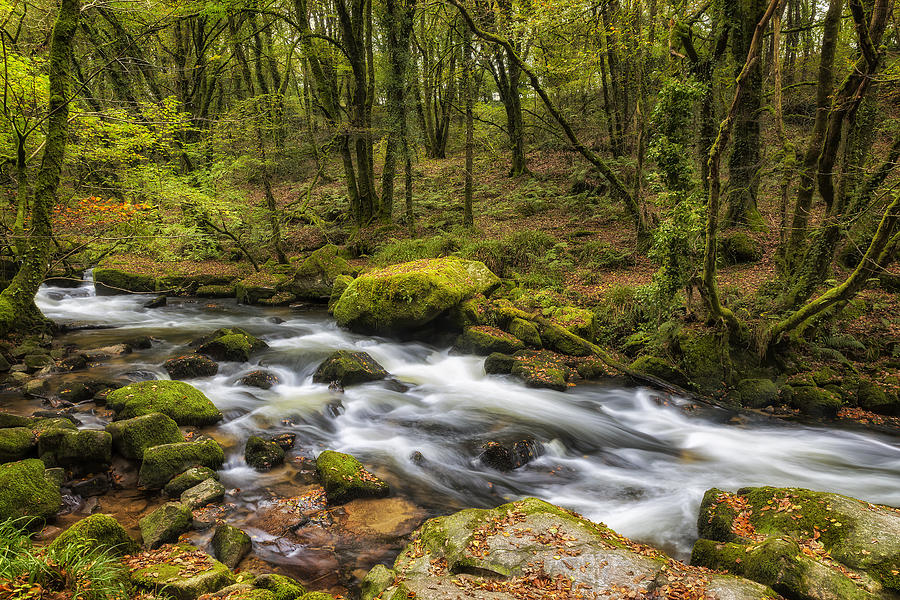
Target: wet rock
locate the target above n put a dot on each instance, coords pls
(508, 457)
(162, 463)
(25, 491)
(181, 571)
(208, 516)
(215, 291)
(16, 443)
(157, 302)
(813, 401)
(85, 449)
(499, 364)
(805, 544)
(314, 279)
(165, 524)
(4, 364)
(285, 441)
(345, 478)
(348, 368)
(341, 283)
(525, 331)
(132, 437)
(99, 531)
(106, 352)
(96, 485)
(283, 588)
(141, 342)
(36, 388)
(262, 455)
(47, 419)
(206, 492)
(76, 362)
(115, 281)
(756, 393)
(232, 344)
(541, 370)
(259, 379)
(11, 420)
(531, 546)
(230, 545)
(659, 368)
(185, 404)
(484, 340)
(190, 478)
(190, 366)
(36, 362)
(80, 391)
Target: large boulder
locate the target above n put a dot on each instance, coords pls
(233, 344)
(190, 366)
(185, 404)
(261, 454)
(98, 531)
(162, 463)
(25, 491)
(132, 437)
(408, 296)
(484, 340)
(230, 544)
(206, 492)
(190, 478)
(181, 571)
(282, 588)
(804, 544)
(345, 478)
(116, 281)
(85, 449)
(348, 368)
(165, 524)
(529, 548)
(314, 280)
(16, 443)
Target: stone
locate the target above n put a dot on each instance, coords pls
(579, 321)
(314, 279)
(26, 492)
(261, 454)
(345, 478)
(508, 457)
(11, 420)
(409, 296)
(541, 369)
(36, 362)
(484, 340)
(525, 331)
(81, 391)
(756, 393)
(16, 443)
(232, 344)
(36, 388)
(348, 368)
(116, 281)
(132, 437)
(190, 478)
(341, 283)
(559, 339)
(95, 485)
(157, 302)
(230, 544)
(185, 404)
(738, 248)
(4, 364)
(98, 531)
(165, 524)
(215, 291)
(206, 492)
(815, 401)
(190, 366)
(86, 448)
(76, 362)
(283, 588)
(659, 368)
(285, 441)
(870, 396)
(181, 571)
(107, 352)
(162, 463)
(499, 364)
(259, 379)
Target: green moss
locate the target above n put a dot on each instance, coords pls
(233, 344)
(39, 426)
(525, 331)
(377, 580)
(165, 524)
(205, 492)
(230, 544)
(190, 366)
(704, 358)
(756, 393)
(499, 364)
(871, 397)
(185, 404)
(410, 295)
(738, 248)
(187, 480)
(24, 491)
(283, 588)
(262, 455)
(315, 278)
(349, 368)
(169, 578)
(579, 321)
(9, 420)
(215, 291)
(815, 401)
(120, 282)
(560, 339)
(69, 448)
(258, 286)
(98, 531)
(16, 443)
(539, 372)
(341, 283)
(659, 368)
(345, 478)
(162, 463)
(317, 596)
(132, 437)
(486, 340)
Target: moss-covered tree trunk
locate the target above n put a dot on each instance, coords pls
(17, 308)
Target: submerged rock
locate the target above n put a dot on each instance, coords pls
(345, 478)
(408, 296)
(25, 491)
(157, 302)
(803, 544)
(165, 524)
(162, 463)
(529, 548)
(230, 544)
(506, 458)
(262, 455)
(181, 571)
(190, 366)
(100, 532)
(185, 404)
(132, 437)
(348, 368)
(232, 344)
(259, 379)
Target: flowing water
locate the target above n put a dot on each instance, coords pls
(616, 454)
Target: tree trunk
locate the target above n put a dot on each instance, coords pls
(468, 218)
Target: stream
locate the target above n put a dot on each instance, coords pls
(621, 455)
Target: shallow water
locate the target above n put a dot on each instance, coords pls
(618, 455)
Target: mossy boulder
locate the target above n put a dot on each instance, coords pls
(25, 491)
(16, 443)
(261, 454)
(116, 281)
(348, 368)
(206, 492)
(804, 544)
(579, 321)
(541, 370)
(704, 358)
(190, 366)
(525, 331)
(260, 378)
(232, 344)
(165, 524)
(559, 339)
(185, 404)
(659, 368)
(756, 393)
(872, 397)
(230, 544)
(314, 279)
(283, 588)
(814, 401)
(215, 291)
(460, 555)
(85, 449)
(187, 480)
(409, 296)
(180, 571)
(98, 531)
(738, 248)
(132, 437)
(162, 463)
(345, 478)
(258, 287)
(341, 283)
(11, 420)
(499, 364)
(36, 362)
(484, 340)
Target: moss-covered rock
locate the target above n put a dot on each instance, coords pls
(262, 455)
(36, 362)
(314, 279)
(349, 368)
(230, 544)
(98, 531)
(484, 340)
(260, 378)
(704, 358)
(499, 364)
(180, 571)
(206, 492)
(162, 463)
(115, 281)
(525, 331)
(408, 296)
(86, 449)
(341, 283)
(190, 478)
(132, 437)
(659, 368)
(16, 443)
(378, 579)
(190, 366)
(233, 344)
(26, 492)
(185, 404)
(283, 588)
(317, 596)
(11, 420)
(802, 543)
(738, 248)
(872, 397)
(345, 478)
(756, 393)
(541, 370)
(559, 339)
(815, 401)
(165, 524)
(258, 287)
(579, 321)
(215, 291)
